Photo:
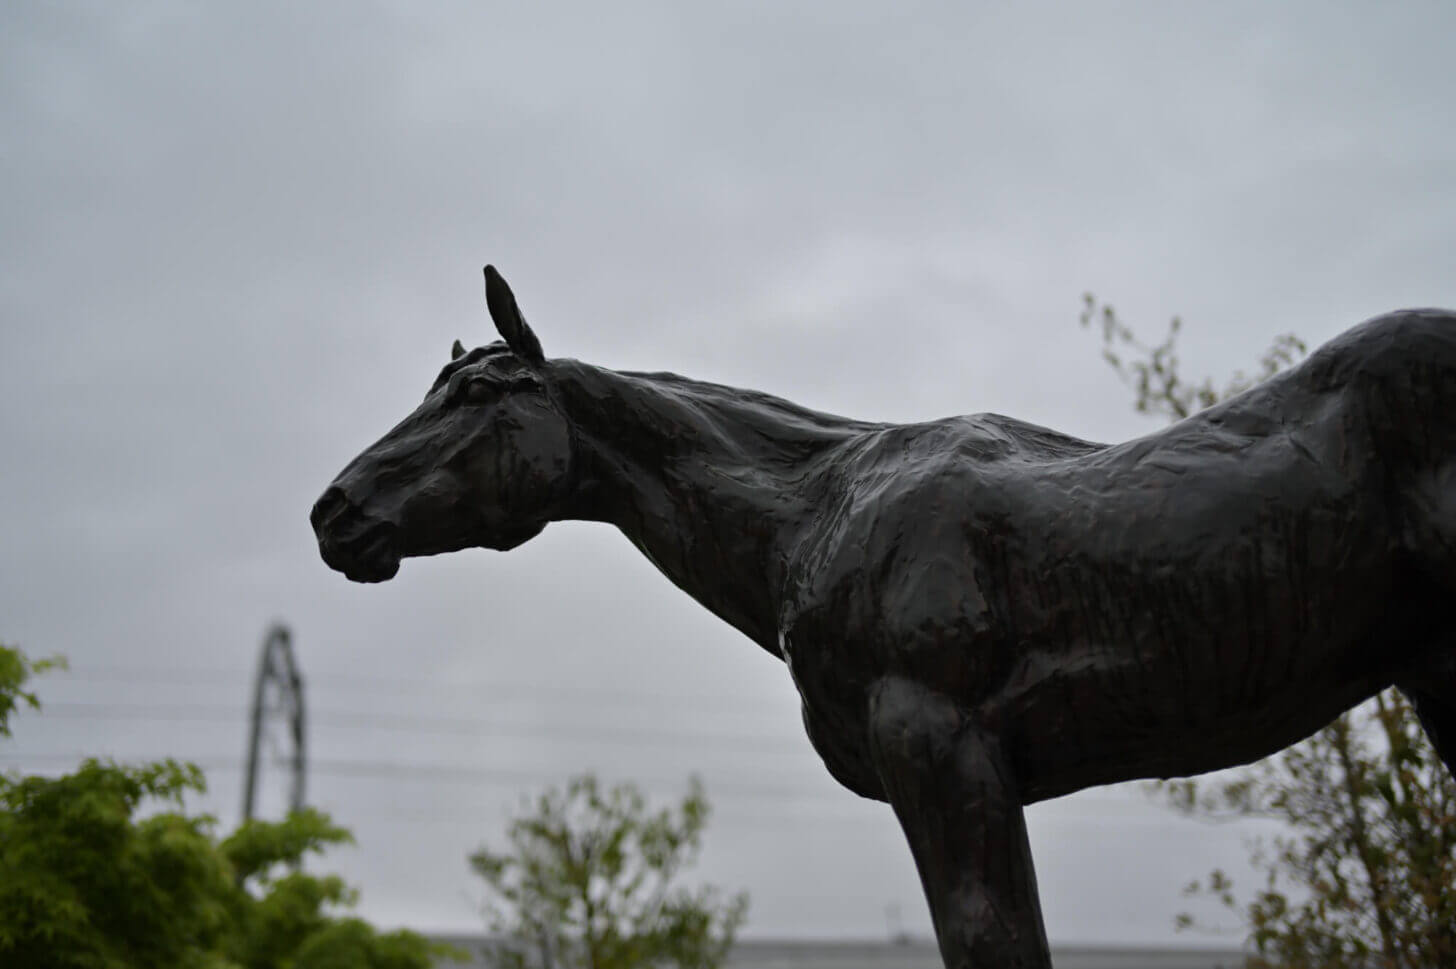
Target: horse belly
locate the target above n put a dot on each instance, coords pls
(1177, 698)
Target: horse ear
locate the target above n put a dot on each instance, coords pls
(457, 350)
(508, 318)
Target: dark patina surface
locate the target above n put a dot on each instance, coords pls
(980, 613)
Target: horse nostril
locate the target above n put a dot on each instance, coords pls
(330, 503)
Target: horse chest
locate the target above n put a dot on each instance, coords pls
(833, 673)
(860, 611)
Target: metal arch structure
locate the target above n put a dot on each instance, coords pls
(278, 670)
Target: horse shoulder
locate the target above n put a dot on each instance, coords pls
(889, 579)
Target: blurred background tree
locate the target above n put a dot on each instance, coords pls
(588, 880)
(102, 868)
(1366, 875)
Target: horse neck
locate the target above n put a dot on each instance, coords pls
(711, 483)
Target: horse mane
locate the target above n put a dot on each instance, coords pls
(685, 416)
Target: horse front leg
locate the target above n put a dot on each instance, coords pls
(957, 802)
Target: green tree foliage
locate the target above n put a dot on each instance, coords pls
(16, 669)
(1365, 877)
(588, 881)
(102, 868)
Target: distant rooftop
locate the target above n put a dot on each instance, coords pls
(914, 954)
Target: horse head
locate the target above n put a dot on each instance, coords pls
(482, 462)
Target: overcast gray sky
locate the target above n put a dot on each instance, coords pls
(236, 243)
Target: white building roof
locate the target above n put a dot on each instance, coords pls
(914, 954)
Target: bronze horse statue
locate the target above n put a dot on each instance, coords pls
(980, 613)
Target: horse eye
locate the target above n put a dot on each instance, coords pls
(486, 390)
(478, 390)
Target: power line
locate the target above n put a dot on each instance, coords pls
(392, 770)
(514, 776)
(743, 803)
(223, 676)
(410, 723)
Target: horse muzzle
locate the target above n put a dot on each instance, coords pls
(364, 548)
